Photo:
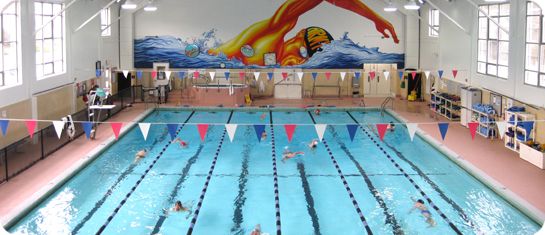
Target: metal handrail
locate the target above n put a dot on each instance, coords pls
(385, 103)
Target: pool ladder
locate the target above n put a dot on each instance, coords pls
(389, 99)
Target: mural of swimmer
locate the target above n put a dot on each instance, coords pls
(268, 35)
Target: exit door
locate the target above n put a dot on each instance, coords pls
(377, 85)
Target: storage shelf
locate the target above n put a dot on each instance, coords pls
(514, 143)
(445, 107)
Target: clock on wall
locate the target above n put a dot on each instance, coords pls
(269, 59)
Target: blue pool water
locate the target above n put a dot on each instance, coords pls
(114, 195)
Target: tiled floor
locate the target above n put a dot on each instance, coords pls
(490, 156)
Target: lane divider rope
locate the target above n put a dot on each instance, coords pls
(275, 179)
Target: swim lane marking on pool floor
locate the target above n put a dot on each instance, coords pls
(309, 198)
(275, 179)
(354, 202)
(114, 213)
(242, 181)
(450, 223)
(207, 182)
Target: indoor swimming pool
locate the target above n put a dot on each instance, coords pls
(341, 187)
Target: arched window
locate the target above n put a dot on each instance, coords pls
(535, 46)
(9, 52)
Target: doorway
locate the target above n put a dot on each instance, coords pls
(377, 85)
(123, 82)
(414, 84)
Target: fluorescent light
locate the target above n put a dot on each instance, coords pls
(150, 6)
(390, 7)
(411, 5)
(494, 0)
(129, 5)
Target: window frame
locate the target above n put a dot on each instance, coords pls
(105, 27)
(16, 14)
(433, 27)
(54, 40)
(488, 40)
(541, 43)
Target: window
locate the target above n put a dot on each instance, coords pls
(105, 22)
(493, 42)
(49, 40)
(8, 44)
(433, 28)
(534, 73)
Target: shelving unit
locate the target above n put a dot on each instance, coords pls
(515, 120)
(487, 123)
(445, 107)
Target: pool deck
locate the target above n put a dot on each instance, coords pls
(490, 156)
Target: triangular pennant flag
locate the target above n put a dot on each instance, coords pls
(284, 75)
(411, 128)
(259, 129)
(202, 130)
(116, 128)
(427, 72)
(227, 75)
(87, 127)
(242, 75)
(352, 130)
(343, 75)
(502, 126)
(381, 128)
(290, 128)
(357, 75)
(327, 75)
(107, 74)
(98, 72)
(454, 73)
(473, 128)
(401, 75)
(320, 129)
(314, 75)
(126, 73)
(30, 126)
(270, 75)
(144, 128)
(58, 125)
(443, 128)
(172, 130)
(4, 126)
(212, 75)
(256, 75)
(139, 74)
(181, 75)
(196, 74)
(372, 75)
(413, 75)
(440, 73)
(231, 130)
(300, 75)
(167, 74)
(386, 74)
(153, 74)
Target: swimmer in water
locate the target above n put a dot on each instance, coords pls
(419, 204)
(313, 144)
(178, 207)
(263, 135)
(257, 230)
(288, 155)
(263, 116)
(317, 112)
(269, 35)
(183, 144)
(391, 126)
(140, 154)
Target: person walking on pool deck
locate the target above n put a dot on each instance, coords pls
(268, 35)
(424, 211)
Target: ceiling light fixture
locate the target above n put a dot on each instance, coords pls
(129, 5)
(411, 5)
(150, 7)
(390, 7)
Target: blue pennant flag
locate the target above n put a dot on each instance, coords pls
(98, 72)
(440, 72)
(270, 74)
(87, 127)
(443, 128)
(401, 75)
(172, 130)
(357, 75)
(181, 75)
(139, 74)
(259, 129)
(4, 126)
(314, 75)
(352, 130)
(227, 75)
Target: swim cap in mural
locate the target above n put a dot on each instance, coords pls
(315, 37)
(192, 50)
(247, 51)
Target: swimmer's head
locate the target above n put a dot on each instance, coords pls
(315, 37)
(420, 201)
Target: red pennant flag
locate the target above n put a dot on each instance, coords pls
(414, 75)
(30, 126)
(454, 72)
(327, 75)
(116, 127)
(241, 75)
(473, 128)
(153, 74)
(196, 74)
(372, 74)
(284, 75)
(381, 127)
(290, 128)
(202, 130)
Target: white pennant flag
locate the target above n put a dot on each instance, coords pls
(343, 74)
(256, 75)
(386, 74)
(502, 126)
(300, 75)
(126, 73)
(231, 129)
(144, 128)
(427, 72)
(320, 129)
(212, 75)
(411, 128)
(167, 73)
(59, 125)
